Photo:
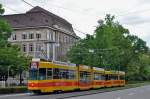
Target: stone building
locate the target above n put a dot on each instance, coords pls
(41, 34)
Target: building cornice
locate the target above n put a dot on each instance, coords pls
(54, 29)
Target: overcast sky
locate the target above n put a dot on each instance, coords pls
(84, 14)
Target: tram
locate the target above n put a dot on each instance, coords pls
(57, 76)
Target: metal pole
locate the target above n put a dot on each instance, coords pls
(8, 75)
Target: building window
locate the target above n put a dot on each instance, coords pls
(31, 47)
(38, 36)
(24, 48)
(65, 39)
(24, 36)
(14, 37)
(31, 36)
(38, 47)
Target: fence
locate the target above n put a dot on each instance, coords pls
(15, 81)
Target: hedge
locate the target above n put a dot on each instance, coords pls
(13, 90)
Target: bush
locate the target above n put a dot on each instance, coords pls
(13, 90)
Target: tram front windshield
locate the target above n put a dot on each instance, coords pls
(33, 74)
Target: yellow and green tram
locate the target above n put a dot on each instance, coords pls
(47, 76)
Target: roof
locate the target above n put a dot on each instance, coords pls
(38, 16)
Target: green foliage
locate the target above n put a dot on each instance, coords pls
(10, 56)
(114, 48)
(5, 30)
(1, 9)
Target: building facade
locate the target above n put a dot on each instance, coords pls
(41, 34)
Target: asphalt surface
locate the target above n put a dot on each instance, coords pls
(133, 93)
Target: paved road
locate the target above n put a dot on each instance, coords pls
(133, 93)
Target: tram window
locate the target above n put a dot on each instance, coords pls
(122, 77)
(107, 77)
(71, 74)
(56, 73)
(49, 73)
(67, 74)
(96, 76)
(82, 75)
(85, 77)
(103, 77)
(62, 73)
(114, 77)
(33, 74)
(42, 73)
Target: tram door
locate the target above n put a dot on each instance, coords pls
(84, 80)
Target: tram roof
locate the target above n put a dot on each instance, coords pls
(99, 69)
(64, 63)
(121, 72)
(54, 62)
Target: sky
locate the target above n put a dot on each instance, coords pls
(84, 14)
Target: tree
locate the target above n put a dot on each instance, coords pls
(5, 30)
(10, 56)
(1, 9)
(114, 49)
(79, 52)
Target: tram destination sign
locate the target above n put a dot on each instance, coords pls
(34, 65)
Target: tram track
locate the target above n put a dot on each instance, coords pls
(82, 93)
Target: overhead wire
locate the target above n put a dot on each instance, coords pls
(28, 3)
(63, 8)
(141, 11)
